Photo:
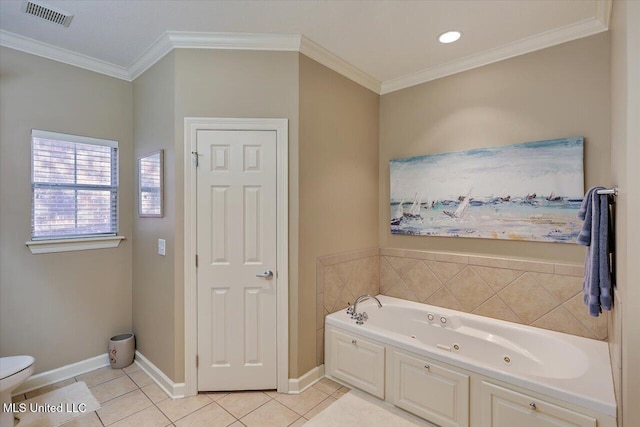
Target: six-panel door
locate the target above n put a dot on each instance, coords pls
(236, 242)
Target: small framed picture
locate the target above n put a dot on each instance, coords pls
(150, 185)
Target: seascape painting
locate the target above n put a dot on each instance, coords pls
(530, 191)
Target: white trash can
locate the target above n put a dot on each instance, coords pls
(121, 350)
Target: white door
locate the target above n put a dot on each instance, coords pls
(236, 245)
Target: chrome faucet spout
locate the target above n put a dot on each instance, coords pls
(362, 298)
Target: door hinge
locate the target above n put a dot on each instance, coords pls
(197, 360)
(195, 155)
(196, 260)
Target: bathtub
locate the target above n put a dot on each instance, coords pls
(565, 367)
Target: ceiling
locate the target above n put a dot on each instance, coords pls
(384, 45)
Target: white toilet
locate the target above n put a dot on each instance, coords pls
(14, 371)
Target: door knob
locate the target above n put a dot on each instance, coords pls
(267, 275)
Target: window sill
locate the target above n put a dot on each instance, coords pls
(69, 245)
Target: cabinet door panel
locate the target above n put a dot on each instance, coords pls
(358, 362)
(502, 407)
(430, 390)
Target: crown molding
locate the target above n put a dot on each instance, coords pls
(603, 11)
(45, 50)
(198, 40)
(540, 41)
(193, 40)
(319, 54)
(154, 53)
(248, 41)
(236, 41)
(295, 42)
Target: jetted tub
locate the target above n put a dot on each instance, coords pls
(570, 368)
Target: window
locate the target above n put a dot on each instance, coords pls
(74, 183)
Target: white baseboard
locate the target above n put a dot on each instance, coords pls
(298, 385)
(64, 372)
(174, 390)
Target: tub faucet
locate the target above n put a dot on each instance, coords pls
(355, 314)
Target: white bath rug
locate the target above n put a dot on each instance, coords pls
(360, 409)
(56, 407)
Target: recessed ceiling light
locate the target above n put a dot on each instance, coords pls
(449, 36)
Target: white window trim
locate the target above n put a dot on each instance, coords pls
(70, 245)
(44, 134)
(43, 245)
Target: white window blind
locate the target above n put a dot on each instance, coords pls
(74, 186)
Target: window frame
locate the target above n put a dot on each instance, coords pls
(46, 244)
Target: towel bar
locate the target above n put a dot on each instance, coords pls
(613, 191)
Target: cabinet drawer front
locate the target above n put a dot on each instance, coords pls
(358, 362)
(502, 407)
(430, 391)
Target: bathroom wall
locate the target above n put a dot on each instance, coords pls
(625, 155)
(218, 83)
(333, 167)
(197, 83)
(59, 307)
(556, 92)
(546, 295)
(154, 306)
(338, 175)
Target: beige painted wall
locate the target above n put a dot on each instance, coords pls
(625, 153)
(340, 149)
(556, 92)
(154, 320)
(338, 183)
(62, 307)
(211, 83)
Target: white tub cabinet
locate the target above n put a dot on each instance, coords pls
(442, 393)
(356, 361)
(502, 407)
(428, 389)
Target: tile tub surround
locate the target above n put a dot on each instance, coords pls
(542, 294)
(340, 279)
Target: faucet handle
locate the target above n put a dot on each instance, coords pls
(361, 318)
(349, 308)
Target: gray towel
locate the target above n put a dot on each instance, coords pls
(595, 236)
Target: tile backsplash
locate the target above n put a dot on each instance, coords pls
(542, 294)
(341, 279)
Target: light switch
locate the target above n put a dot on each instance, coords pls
(161, 247)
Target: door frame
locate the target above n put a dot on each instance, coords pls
(191, 126)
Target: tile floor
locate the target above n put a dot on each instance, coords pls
(129, 397)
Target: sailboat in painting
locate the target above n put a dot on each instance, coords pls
(397, 218)
(553, 198)
(461, 208)
(414, 211)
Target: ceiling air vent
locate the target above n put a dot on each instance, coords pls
(48, 13)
